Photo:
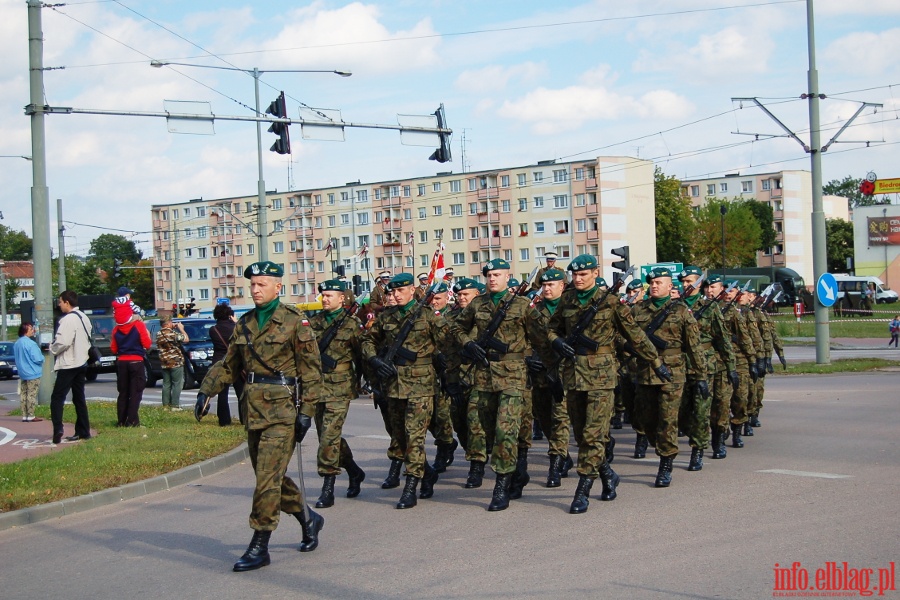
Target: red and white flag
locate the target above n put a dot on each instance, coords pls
(437, 265)
(329, 247)
(363, 251)
(411, 242)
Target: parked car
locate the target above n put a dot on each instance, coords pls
(101, 334)
(8, 368)
(198, 351)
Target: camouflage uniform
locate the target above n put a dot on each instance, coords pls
(766, 329)
(287, 345)
(744, 354)
(453, 383)
(550, 414)
(171, 360)
(754, 328)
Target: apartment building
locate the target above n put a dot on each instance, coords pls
(590, 206)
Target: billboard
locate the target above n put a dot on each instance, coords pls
(883, 231)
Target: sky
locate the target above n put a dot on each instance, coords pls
(520, 81)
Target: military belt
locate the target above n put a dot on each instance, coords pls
(498, 357)
(257, 378)
(582, 351)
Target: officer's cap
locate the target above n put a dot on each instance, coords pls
(266, 267)
(448, 271)
(634, 284)
(400, 280)
(553, 275)
(332, 285)
(715, 279)
(385, 275)
(658, 272)
(423, 276)
(496, 264)
(464, 283)
(582, 262)
(601, 282)
(688, 271)
(550, 256)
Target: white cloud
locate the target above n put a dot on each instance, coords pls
(869, 7)
(865, 53)
(495, 78)
(725, 52)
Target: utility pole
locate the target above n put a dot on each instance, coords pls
(40, 196)
(62, 246)
(175, 270)
(3, 299)
(261, 224)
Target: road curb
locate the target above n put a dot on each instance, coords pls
(69, 506)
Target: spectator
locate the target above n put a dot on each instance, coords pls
(129, 342)
(123, 296)
(894, 328)
(220, 333)
(30, 362)
(171, 357)
(70, 349)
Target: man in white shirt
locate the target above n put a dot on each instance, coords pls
(70, 349)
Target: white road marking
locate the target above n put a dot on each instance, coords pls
(806, 474)
(374, 437)
(8, 435)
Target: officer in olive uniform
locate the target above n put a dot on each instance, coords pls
(275, 347)
(745, 360)
(340, 363)
(550, 257)
(500, 377)
(547, 391)
(715, 341)
(422, 288)
(589, 371)
(408, 383)
(377, 298)
(441, 426)
(658, 401)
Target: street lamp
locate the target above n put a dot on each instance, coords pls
(261, 185)
(723, 209)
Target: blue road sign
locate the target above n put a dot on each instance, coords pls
(826, 290)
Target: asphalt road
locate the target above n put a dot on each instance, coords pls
(817, 483)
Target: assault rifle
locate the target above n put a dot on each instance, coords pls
(576, 338)
(328, 363)
(396, 354)
(660, 318)
(712, 301)
(737, 297)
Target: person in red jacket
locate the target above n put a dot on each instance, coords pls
(129, 342)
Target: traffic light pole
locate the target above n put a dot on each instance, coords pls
(261, 185)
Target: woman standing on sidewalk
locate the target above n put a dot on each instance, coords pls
(30, 362)
(894, 328)
(220, 333)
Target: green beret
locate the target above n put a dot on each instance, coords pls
(266, 267)
(465, 284)
(332, 285)
(531, 295)
(658, 272)
(634, 284)
(688, 271)
(715, 279)
(399, 280)
(601, 282)
(480, 287)
(678, 285)
(553, 275)
(582, 262)
(731, 282)
(513, 282)
(441, 288)
(751, 290)
(494, 265)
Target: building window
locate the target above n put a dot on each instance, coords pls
(523, 229)
(251, 249)
(472, 184)
(695, 191)
(539, 227)
(723, 187)
(423, 214)
(560, 176)
(579, 173)
(456, 234)
(278, 247)
(473, 208)
(561, 201)
(421, 189)
(579, 199)
(436, 186)
(537, 176)
(423, 260)
(473, 233)
(201, 252)
(188, 273)
(379, 239)
(561, 226)
(504, 181)
(710, 189)
(276, 203)
(295, 289)
(238, 250)
(523, 204)
(504, 205)
(188, 252)
(456, 210)
(407, 214)
(520, 179)
(407, 191)
(455, 186)
(580, 225)
(523, 254)
(563, 251)
(475, 257)
(747, 187)
(423, 237)
(331, 220)
(345, 241)
(539, 202)
(438, 211)
(345, 218)
(363, 195)
(507, 230)
(330, 198)
(362, 218)
(766, 185)
(459, 258)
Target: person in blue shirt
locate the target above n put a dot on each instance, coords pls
(30, 362)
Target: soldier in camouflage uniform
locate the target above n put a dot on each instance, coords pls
(408, 384)
(658, 401)
(276, 348)
(745, 360)
(727, 376)
(715, 341)
(589, 371)
(395, 453)
(547, 390)
(465, 290)
(767, 335)
(628, 369)
(441, 426)
(340, 384)
(496, 400)
(755, 328)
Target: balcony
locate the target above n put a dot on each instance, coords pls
(593, 235)
(304, 232)
(228, 280)
(592, 209)
(590, 183)
(488, 193)
(224, 259)
(489, 217)
(307, 276)
(160, 284)
(390, 200)
(305, 252)
(490, 242)
(392, 249)
(391, 225)
(776, 193)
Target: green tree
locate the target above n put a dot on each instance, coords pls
(765, 216)
(848, 187)
(674, 220)
(742, 235)
(14, 245)
(108, 246)
(83, 277)
(12, 290)
(839, 244)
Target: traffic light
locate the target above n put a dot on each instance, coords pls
(278, 109)
(117, 268)
(623, 252)
(340, 271)
(442, 154)
(357, 285)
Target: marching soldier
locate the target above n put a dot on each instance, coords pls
(745, 361)
(441, 426)
(589, 370)
(767, 334)
(340, 361)
(759, 343)
(496, 400)
(715, 341)
(657, 400)
(395, 453)
(349, 296)
(727, 377)
(550, 257)
(408, 383)
(276, 349)
(422, 288)
(465, 290)
(377, 299)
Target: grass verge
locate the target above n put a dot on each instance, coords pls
(164, 442)
(842, 365)
(789, 327)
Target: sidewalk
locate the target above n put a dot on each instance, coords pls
(843, 343)
(20, 440)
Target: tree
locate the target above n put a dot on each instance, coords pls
(674, 222)
(12, 290)
(742, 235)
(848, 187)
(14, 245)
(839, 244)
(765, 216)
(107, 246)
(83, 277)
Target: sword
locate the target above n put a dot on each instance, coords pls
(302, 485)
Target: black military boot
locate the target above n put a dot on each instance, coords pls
(696, 463)
(610, 446)
(582, 492)
(718, 443)
(476, 474)
(736, 441)
(610, 481)
(500, 501)
(568, 463)
(640, 446)
(536, 432)
(444, 456)
(393, 478)
(521, 477)
(257, 554)
(431, 477)
(748, 428)
(664, 475)
(310, 529)
(553, 476)
(408, 498)
(357, 476)
(616, 422)
(754, 421)
(326, 499)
